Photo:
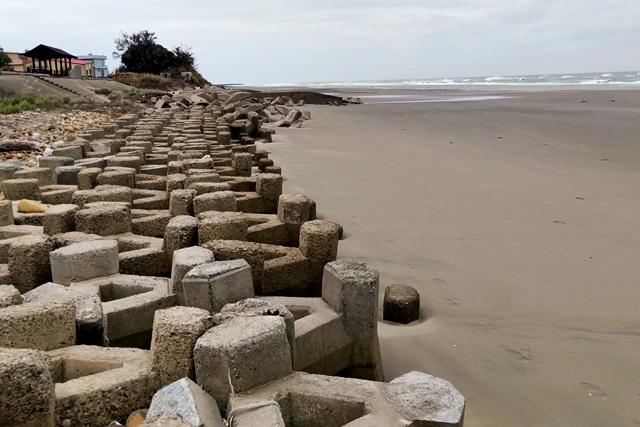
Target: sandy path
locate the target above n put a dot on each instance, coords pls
(517, 220)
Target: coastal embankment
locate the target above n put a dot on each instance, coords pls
(517, 220)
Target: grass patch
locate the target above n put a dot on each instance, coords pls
(145, 81)
(16, 103)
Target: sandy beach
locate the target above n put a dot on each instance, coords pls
(518, 221)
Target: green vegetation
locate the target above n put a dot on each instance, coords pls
(17, 103)
(146, 81)
(139, 53)
(5, 61)
(103, 91)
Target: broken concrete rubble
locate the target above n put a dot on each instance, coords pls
(170, 238)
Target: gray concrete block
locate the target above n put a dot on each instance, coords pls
(184, 260)
(212, 285)
(59, 219)
(187, 400)
(83, 261)
(263, 414)
(9, 295)
(234, 355)
(27, 395)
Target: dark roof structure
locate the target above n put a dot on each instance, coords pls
(47, 52)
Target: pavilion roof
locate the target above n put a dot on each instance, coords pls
(47, 52)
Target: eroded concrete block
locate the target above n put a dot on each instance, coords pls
(222, 226)
(267, 414)
(27, 395)
(210, 286)
(9, 295)
(83, 261)
(427, 400)
(104, 218)
(222, 201)
(175, 331)
(42, 325)
(235, 354)
(184, 260)
(29, 261)
(187, 400)
(401, 304)
(60, 219)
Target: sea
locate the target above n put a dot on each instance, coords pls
(599, 80)
(480, 88)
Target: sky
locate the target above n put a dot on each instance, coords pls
(271, 42)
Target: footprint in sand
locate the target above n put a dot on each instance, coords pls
(488, 326)
(452, 301)
(518, 355)
(595, 391)
(438, 281)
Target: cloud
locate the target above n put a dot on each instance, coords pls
(293, 41)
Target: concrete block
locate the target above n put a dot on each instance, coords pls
(269, 186)
(89, 327)
(319, 243)
(16, 189)
(188, 401)
(52, 162)
(122, 177)
(210, 286)
(351, 289)
(427, 400)
(183, 261)
(7, 171)
(6, 212)
(42, 325)
(104, 218)
(68, 175)
(29, 262)
(181, 202)
(222, 201)
(27, 395)
(75, 152)
(266, 413)
(401, 304)
(127, 161)
(83, 261)
(9, 295)
(175, 332)
(233, 356)
(88, 178)
(223, 226)
(181, 232)
(43, 175)
(60, 219)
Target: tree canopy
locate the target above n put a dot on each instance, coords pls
(140, 53)
(5, 61)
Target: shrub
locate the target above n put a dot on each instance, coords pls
(17, 103)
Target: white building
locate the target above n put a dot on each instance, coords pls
(99, 64)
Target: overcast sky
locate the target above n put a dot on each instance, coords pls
(295, 41)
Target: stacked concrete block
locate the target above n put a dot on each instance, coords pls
(43, 175)
(294, 210)
(184, 260)
(104, 218)
(68, 175)
(231, 357)
(83, 261)
(222, 201)
(42, 325)
(6, 213)
(75, 152)
(175, 332)
(351, 289)
(185, 400)
(27, 395)
(212, 285)
(235, 249)
(181, 232)
(181, 202)
(319, 243)
(29, 261)
(52, 162)
(57, 194)
(89, 329)
(16, 189)
(222, 226)
(9, 295)
(124, 177)
(242, 163)
(7, 171)
(60, 219)
(88, 178)
(269, 187)
(125, 161)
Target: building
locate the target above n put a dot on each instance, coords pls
(99, 64)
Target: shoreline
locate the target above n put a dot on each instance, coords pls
(515, 219)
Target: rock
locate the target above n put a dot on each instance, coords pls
(31, 206)
(236, 97)
(401, 304)
(18, 145)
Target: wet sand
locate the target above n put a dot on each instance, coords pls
(518, 221)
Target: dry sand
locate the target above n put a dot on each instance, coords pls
(518, 221)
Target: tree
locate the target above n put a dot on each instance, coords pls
(5, 61)
(140, 53)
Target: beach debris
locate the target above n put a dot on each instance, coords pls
(582, 100)
(611, 99)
